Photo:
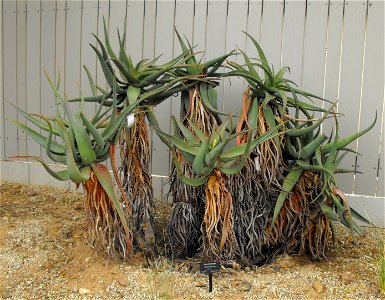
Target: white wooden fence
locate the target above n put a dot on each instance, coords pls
(334, 49)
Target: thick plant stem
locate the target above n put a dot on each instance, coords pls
(218, 221)
(135, 154)
(105, 229)
(188, 208)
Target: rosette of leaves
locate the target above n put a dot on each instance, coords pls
(82, 144)
(212, 158)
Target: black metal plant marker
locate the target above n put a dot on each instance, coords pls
(209, 268)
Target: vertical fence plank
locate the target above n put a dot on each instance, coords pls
(134, 40)
(199, 27)
(103, 8)
(254, 26)
(149, 29)
(21, 72)
(116, 21)
(60, 41)
(72, 50)
(88, 56)
(164, 32)
(314, 48)
(350, 82)
(380, 192)
(292, 43)
(48, 55)
(216, 36)
(235, 38)
(184, 22)
(372, 94)
(332, 59)
(9, 93)
(272, 31)
(1, 85)
(33, 68)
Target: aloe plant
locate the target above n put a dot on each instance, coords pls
(211, 160)
(308, 156)
(82, 144)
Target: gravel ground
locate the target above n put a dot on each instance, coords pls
(44, 255)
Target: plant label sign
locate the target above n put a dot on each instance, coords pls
(209, 268)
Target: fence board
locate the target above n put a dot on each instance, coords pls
(72, 54)
(236, 23)
(350, 81)
(216, 36)
(9, 94)
(21, 71)
(272, 31)
(200, 21)
(254, 22)
(332, 59)
(135, 23)
(372, 93)
(33, 68)
(88, 57)
(2, 143)
(116, 21)
(292, 42)
(47, 52)
(184, 22)
(103, 9)
(380, 192)
(314, 49)
(164, 32)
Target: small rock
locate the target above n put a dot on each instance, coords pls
(247, 269)
(6, 295)
(200, 284)
(16, 186)
(245, 286)
(311, 293)
(87, 260)
(48, 265)
(319, 287)
(231, 271)
(4, 220)
(348, 278)
(28, 282)
(83, 291)
(32, 193)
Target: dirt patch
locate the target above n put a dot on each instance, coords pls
(44, 254)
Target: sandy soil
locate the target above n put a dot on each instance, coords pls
(44, 255)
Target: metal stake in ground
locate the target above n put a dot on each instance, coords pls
(209, 268)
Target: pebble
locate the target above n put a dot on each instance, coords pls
(87, 260)
(4, 220)
(348, 278)
(16, 186)
(83, 291)
(245, 286)
(32, 193)
(200, 284)
(6, 295)
(311, 293)
(319, 287)
(247, 269)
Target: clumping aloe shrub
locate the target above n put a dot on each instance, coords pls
(82, 145)
(248, 192)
